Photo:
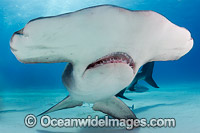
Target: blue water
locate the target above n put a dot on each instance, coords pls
(14, 14)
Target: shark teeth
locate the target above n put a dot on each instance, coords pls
(117, 57)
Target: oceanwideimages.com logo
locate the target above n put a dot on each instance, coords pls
(46, 121)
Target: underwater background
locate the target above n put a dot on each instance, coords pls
(18, 80)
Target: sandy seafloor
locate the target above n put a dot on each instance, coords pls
(180, 101)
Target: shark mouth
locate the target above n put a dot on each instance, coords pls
(117, 57)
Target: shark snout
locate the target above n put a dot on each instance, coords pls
(19, 32)
(190, 44)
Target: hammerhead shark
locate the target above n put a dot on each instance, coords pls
(104, 46)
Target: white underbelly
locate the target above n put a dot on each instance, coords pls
(102, 82)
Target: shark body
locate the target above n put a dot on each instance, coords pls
(105, 47)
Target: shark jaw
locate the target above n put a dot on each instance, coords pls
(83, 36)
(115, 57)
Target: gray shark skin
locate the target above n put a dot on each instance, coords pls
(105, 47)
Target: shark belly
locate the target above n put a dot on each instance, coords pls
(101, 82)
(106, 45)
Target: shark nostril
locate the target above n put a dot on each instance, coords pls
(12, 49)
(20, 32)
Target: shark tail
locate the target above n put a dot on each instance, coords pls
(145, 74)
(67, 102)
(147, 71)
(151, 82)
(121, 94)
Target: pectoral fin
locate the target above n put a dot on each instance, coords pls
(114, 107)
(68, 102)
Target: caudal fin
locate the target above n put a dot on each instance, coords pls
(121, 94)
(150, 81)
(68, 102)
(147, 72)
(146, 75)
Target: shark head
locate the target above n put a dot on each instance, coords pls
(102, 39)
